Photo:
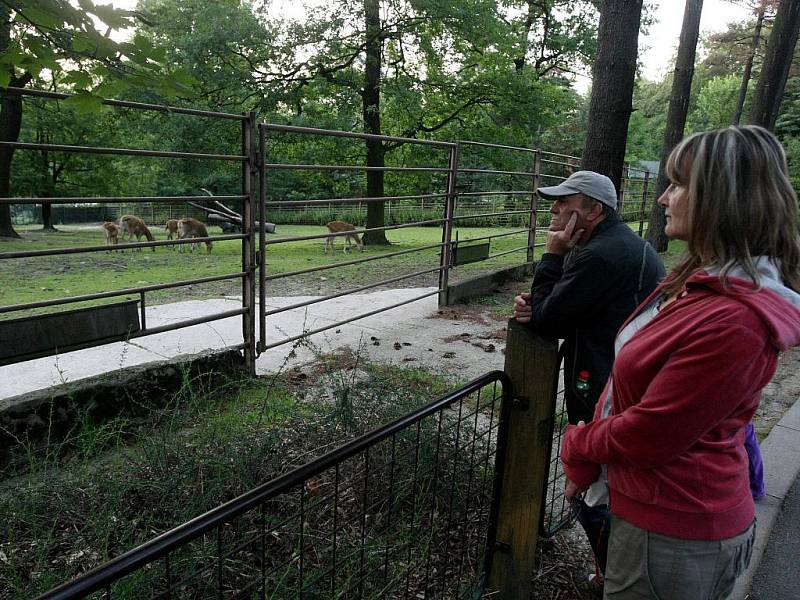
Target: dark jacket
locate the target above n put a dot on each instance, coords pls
(585, 297)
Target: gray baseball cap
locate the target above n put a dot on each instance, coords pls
(594, 185)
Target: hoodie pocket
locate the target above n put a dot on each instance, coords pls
(636, 484)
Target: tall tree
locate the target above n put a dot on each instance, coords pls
(676, 114)
(760, 8)
(371, 97)
(775, 70)
(613, 77)
(53, 36)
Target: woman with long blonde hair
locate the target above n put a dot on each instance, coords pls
(691, 363)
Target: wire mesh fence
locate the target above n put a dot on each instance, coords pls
(402, 512)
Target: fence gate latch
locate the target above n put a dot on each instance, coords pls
(520, 402)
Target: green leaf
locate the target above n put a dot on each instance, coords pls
(5, 78)
(84, 102)
(41, 16)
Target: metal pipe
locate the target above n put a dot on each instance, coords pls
(282, 203)
(349, 262)
(493, 214)
(507, 252)
(262, 236)
(350, 320)
(495, 172)
(495, 193)
(533, 219)
(360, 136)
(57, 251)
(447, 231)
(248, 247)
(111, 294)
(305, 167)
(343, 233)
(120, 151)
(127, 104)
(494, 235)
(501, 146)
(643, 207)
(275, 311)
(112, 200)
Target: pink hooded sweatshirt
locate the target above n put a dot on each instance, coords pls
(684, 388)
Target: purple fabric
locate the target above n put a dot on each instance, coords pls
(756, 466)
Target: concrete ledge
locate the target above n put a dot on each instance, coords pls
(131, 392)
(486, 284)
(781, 454)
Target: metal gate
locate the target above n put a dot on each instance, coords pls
(32, 334)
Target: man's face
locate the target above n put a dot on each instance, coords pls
(562, 210)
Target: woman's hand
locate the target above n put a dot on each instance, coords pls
(572, 490)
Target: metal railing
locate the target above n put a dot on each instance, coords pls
(246, 273)
(405, 511)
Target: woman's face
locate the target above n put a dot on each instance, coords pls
(675, 201)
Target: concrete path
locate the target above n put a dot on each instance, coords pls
(773, 572)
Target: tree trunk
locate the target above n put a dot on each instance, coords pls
(10, 124)
(49, 178)
(613, 76)
(775, 70)
(371, 99)
(676, 115)
(748, 67)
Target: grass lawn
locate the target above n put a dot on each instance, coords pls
(42, 278)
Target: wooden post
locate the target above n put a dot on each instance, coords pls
(532, 366)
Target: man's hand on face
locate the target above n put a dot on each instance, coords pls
(522, 310)
(561, 242)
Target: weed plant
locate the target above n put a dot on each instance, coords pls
(109, 487)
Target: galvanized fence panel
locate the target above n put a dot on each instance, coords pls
(401, 512)
(247, 159)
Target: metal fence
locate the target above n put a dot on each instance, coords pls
(405, 511)
(85, 321)
(454, 187)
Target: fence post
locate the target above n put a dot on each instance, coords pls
(621, 202)
(447, 226)
(532, 223)
(262, 238)
(644, 202)
(248, 245)
(524, 444)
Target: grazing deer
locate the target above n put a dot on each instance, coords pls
(111, 231)
(171, 228)
(192, 228)
(135, 226)
(340, 227)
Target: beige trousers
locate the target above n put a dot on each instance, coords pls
(644, 565)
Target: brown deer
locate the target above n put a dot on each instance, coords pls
(135, 226)
(192, 228)
(111, 231)
(171, 228)
(341, 227)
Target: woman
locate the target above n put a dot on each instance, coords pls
(689, 371)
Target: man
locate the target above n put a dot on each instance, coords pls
(593, 274)
(595, 271)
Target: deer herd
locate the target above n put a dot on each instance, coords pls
(131, 226)
(188, 228)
